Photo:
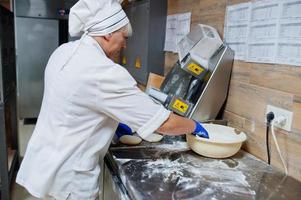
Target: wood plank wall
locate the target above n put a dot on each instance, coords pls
(253, 86)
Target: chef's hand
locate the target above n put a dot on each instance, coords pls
(123, 129)
(200, 130)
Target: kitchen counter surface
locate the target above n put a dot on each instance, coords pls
(169, 170)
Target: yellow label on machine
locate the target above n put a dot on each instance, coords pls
(138, 63)
(123, 61)
(195, 68)
(179, 105)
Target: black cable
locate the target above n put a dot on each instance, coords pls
(270, 116)
(267, 143)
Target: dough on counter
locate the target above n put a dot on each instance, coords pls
(130, 139)
(155, 137)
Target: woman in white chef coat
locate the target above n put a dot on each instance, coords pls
(86, 95)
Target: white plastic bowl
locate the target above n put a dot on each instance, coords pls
(223, 141)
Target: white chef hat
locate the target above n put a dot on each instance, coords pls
(97, 18)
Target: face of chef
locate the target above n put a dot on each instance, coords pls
(113, 43)
(116, 42)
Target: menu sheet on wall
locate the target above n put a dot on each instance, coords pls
(236, 30)
(177, 26)
(267, 31)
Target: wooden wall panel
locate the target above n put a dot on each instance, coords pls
(249, 101)
(297, 115)
(280, 77)
(186, 6)
(212, 12)
(253, 86)
(241, 71)
(230, 2)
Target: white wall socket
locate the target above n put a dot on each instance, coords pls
(280, 112)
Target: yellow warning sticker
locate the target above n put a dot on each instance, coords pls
(138, 63)
(123, 61)
(193, 67)
(180, 106)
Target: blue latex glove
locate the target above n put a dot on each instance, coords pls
(200, 130)
(123, 129)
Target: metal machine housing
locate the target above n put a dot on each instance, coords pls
(215, 92)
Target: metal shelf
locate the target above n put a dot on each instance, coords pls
(8, 116)
(12, 158)
(8, 160)
(12, 163)
(8, 157)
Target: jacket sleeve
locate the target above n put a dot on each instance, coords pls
(121, 99)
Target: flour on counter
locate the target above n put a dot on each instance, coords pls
(169, 169)
(216, 175)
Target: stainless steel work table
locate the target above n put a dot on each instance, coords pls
(169, 170)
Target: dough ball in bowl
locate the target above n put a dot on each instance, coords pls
(223, 141)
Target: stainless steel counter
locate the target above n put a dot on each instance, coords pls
(170, 170)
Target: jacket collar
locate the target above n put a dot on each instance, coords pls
(90, 40)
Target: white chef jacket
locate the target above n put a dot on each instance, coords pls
(82, 105)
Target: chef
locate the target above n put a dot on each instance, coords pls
(86, 95)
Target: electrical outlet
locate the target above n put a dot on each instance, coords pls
(280, 112)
